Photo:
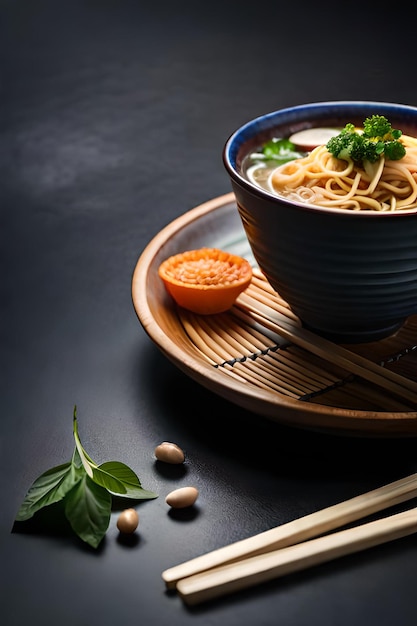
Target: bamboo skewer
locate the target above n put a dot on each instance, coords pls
(257, 569)
(298, 530)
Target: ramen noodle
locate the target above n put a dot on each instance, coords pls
(320, 178)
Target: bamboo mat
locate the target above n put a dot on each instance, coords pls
(244, 344)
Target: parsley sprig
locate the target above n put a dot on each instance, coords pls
(86, 490)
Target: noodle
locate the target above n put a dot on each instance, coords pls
(320, 178)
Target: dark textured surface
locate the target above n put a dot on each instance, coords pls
(113, 118)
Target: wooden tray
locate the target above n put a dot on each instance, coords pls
(240, 356)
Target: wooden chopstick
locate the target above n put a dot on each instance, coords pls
(298, 530)
(257, 569)
(334, 353)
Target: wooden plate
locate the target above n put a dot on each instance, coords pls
(240, 356)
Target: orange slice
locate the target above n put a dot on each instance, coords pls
(206, 280)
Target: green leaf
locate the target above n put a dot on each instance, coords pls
(86, 460)
(52, 486)
(107, 480)
(85, 490)
(114, 476)
(127, 477)
(280, 150)
(88, 510)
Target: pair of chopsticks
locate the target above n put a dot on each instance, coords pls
(290, 547)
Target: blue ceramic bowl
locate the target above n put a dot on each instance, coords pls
(350, 276)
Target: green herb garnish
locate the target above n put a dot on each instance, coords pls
(278, 150)
(377, 139)
(85, 489)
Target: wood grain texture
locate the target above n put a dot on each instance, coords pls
(259, 356)
(298, 530)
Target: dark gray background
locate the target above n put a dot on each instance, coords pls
(113, 119)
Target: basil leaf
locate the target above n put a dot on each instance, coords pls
(52, 486)
(117, 477)
(98, 474)
(108, 481)
(88, 510)
(127, 477)
(85, 490)
(86, 460)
